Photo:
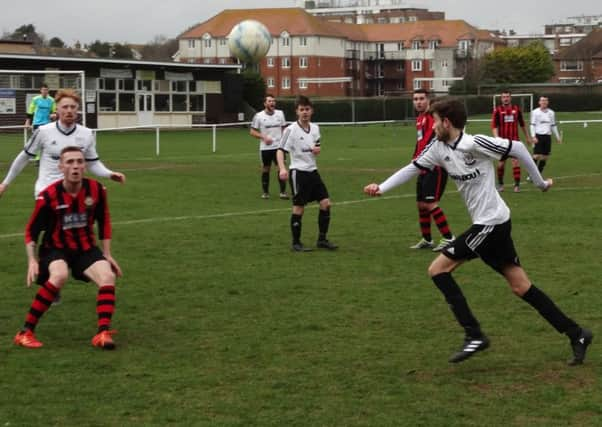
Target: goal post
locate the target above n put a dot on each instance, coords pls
(524, 98)
(303, 81)
(30, 81)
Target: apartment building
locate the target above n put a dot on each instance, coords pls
(379, 59)
(558, 36)
(367, 11)
(575, 24)
(554, 43)
(582, 62)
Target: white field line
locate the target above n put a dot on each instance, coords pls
(288, 208)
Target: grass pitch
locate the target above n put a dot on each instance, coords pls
(220, 324)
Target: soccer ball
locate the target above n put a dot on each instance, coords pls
(249, 41)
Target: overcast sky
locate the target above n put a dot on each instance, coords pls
(139, 21)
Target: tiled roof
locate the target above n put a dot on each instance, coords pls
(297, 21)
(447, 32)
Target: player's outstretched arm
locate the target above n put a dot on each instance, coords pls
(98, 168)
(15, 169)
(372, 190)
(549, 183)
(402, 176)
(118, 177)
(520, 152)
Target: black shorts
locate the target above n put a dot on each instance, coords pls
(492, 243)
(544, 145)
(78, 262)
(431, 185)
(268, 157)
(307, 187)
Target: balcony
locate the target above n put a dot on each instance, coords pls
(378, 75)
(395, 55)
(462, 53)
(370, 55)
(352, 54)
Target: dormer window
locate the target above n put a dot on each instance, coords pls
(286, 38)
(433, 44)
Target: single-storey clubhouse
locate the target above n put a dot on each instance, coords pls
(121, 93)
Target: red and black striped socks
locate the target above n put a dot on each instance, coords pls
(441, 221)
(41, 303)
(105, 306)
(425, 224)
(516, 174)
(501, 168)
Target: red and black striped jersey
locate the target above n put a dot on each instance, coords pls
(507, 119)
(68, 220)
(425, 132)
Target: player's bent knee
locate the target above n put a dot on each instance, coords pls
(519, 289)
(58, 280)
(435, 268)
(442, 264)
(58, 273)
(325, 204)
(106, 278)
(427, 206)
(517, 279)
(101, 273)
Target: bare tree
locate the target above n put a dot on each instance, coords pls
(160, 48)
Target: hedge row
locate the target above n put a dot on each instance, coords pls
(344, 109)
(398, 108)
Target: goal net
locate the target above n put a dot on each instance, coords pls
(18, 87)
(523, 100)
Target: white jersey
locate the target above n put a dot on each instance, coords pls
(543, 122)
(468, 161)
(271, 125)
(49, 140)
(299, 142)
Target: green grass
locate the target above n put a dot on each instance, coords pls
(220, 324)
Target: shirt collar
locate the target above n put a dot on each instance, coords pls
(68, 131)
(457, 141)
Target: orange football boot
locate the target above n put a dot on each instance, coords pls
(27, 339)
(104, 340)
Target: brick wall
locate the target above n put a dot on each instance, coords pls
(316, 67)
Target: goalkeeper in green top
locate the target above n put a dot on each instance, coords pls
(41, 110)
